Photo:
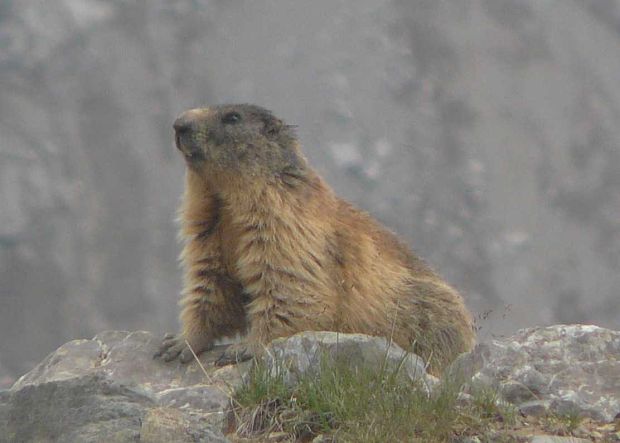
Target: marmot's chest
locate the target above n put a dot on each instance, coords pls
(259, 243)
(248, 239)
(228, 238)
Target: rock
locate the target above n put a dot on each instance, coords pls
(88, 408)
(303, 352)
(111, 389)
(168, 425)
(567, 368)
(534, 408)
(161, 425)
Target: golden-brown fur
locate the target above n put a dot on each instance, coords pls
(271, 251)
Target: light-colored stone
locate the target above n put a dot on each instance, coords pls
(572, 369)
(111, 389)
(304, 352)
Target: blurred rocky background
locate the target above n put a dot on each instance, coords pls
(485, 132)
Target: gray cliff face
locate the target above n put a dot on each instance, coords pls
(485, 132)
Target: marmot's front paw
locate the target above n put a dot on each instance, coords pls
(176, 346)
(236, 353)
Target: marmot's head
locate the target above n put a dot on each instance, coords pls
(243, 139)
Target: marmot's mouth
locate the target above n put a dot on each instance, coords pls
(187, 146)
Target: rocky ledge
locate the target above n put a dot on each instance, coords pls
(111, 389)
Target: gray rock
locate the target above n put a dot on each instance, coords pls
(204, 397)
(567, 368)
(111, 389)
(168, 425)
(303, 352)
(534, 408)
(85, 409)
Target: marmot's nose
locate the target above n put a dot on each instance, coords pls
(184, 123)
(190, 120)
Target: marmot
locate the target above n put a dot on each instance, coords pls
(270, 250)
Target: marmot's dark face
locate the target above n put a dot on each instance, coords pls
(241, 138)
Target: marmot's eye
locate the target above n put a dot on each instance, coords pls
(231, 118)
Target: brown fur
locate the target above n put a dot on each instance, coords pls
(271, 251)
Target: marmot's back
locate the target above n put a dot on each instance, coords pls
(271, 251)
(425, 313)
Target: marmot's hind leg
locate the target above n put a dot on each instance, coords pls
(439, 325)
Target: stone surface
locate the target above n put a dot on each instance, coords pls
(110, 389)
(304, 352)
(565, 368)
(534, 408)
(168, 425)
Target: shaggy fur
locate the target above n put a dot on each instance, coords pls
(271, 251)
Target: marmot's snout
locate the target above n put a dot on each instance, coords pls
(185, 123)
(186, 127)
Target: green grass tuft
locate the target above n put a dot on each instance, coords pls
(362, 405)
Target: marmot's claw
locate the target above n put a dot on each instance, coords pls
(170, 347)
(234, 354)
(165, 344)
(175, 346)
(173, 352)
(186, 355)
